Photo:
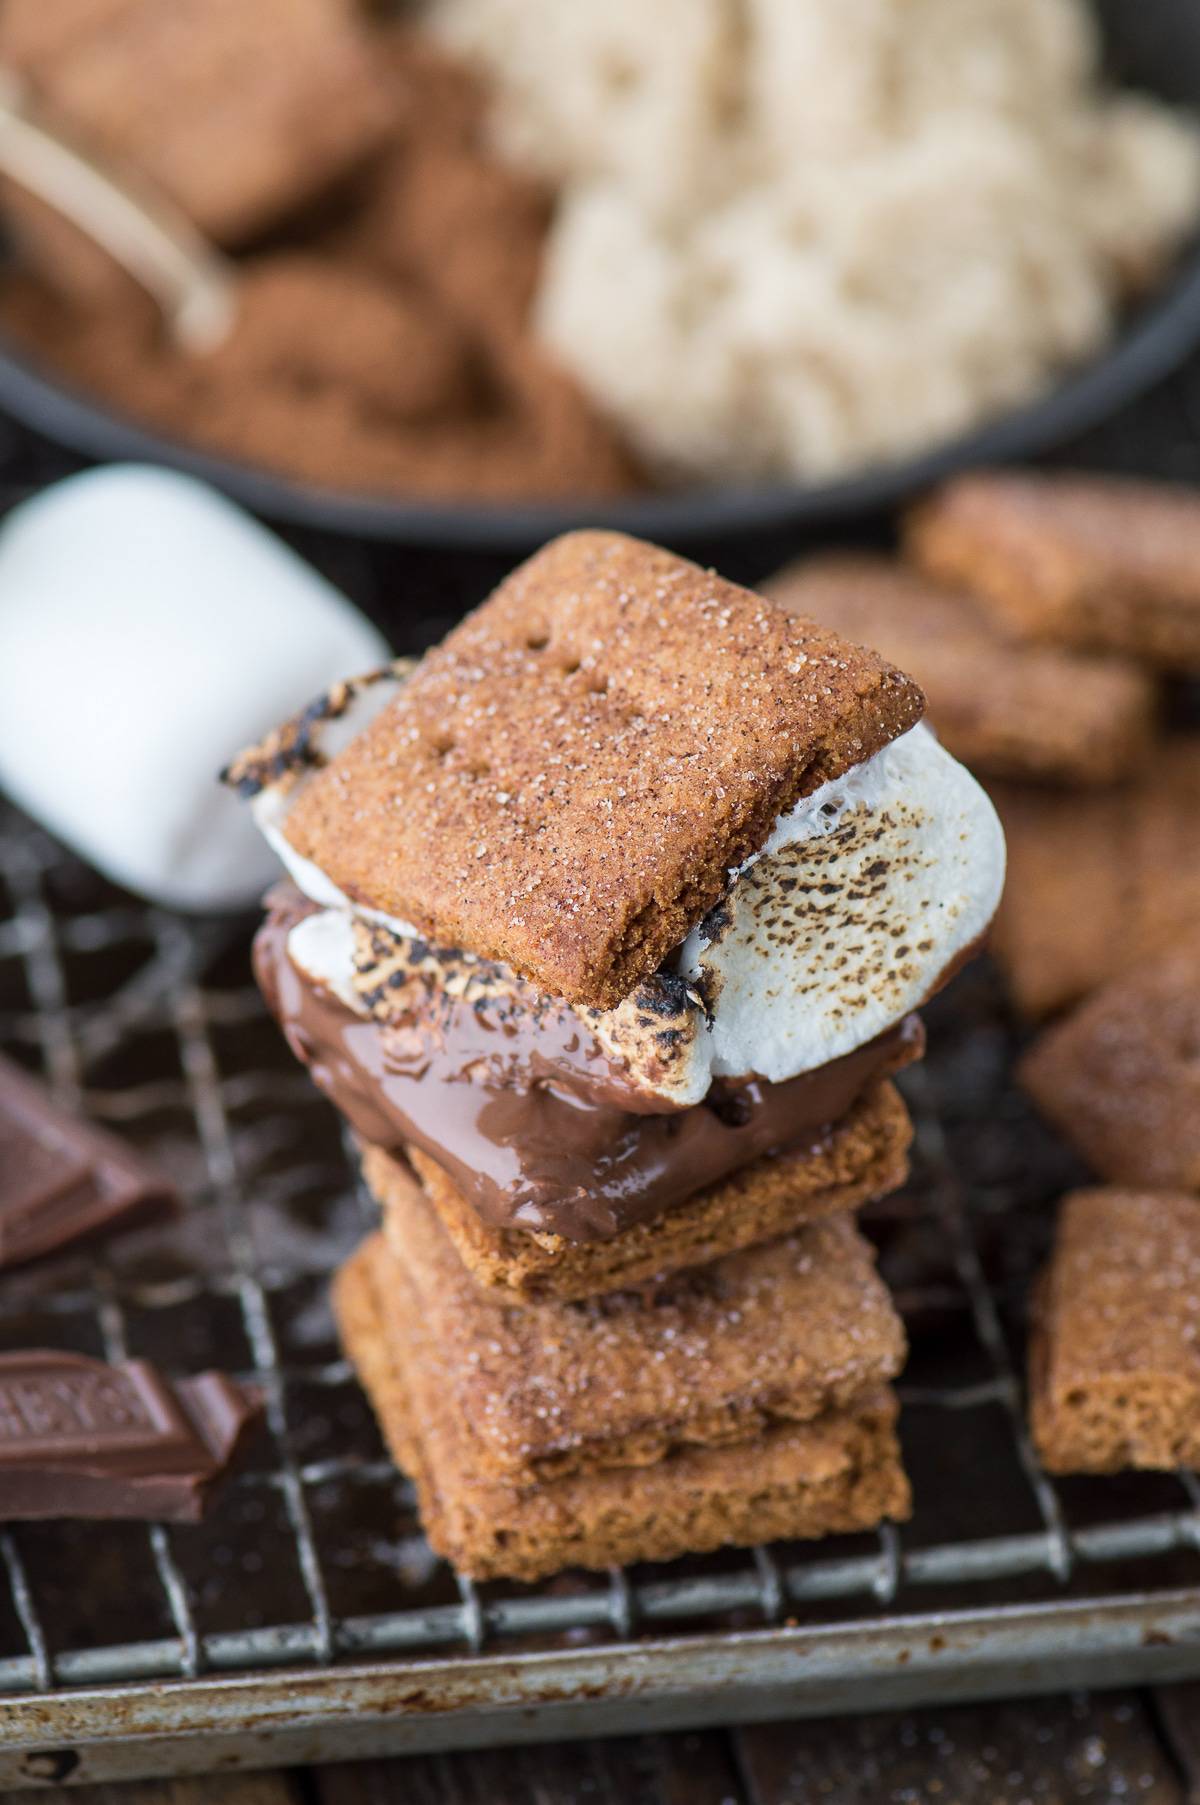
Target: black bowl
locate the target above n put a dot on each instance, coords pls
(1154, 45)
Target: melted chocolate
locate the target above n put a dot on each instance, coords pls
(555, 1144)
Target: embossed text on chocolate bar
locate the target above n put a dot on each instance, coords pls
(79, 1438)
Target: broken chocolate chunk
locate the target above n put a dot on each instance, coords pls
(61, 1178)
(79, 1438)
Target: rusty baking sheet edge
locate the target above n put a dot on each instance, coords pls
(338, 1713)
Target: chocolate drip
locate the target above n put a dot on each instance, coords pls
(529, 1143)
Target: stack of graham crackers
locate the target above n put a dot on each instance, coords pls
(606, 929)
(1100, 574)
(1051, 620)
(1100, 929)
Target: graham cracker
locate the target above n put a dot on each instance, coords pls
(566, 782)
(860, 1158)
(1115, 1355)
(1120, 1077)
(839, 1472)
(1098, 882)
(777, 1333)
(1084, 561)
(239, 113)
(1007, 708)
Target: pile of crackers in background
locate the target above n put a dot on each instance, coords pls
(1054, 623)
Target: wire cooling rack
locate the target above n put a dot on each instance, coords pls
(312, 1566)
(307, 1618)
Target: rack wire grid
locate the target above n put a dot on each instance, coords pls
(306, 1618)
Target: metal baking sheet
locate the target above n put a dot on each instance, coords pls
(307, 1618)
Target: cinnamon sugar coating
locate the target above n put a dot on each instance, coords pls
(440, 210)
(838, 1472)
(778, 1333)
(240, 113)
(306, 321)
(1085, 561)
(1115, 1355)
(1120, 1078)
(567, 781)
(862, 1157)
(1006, 708)
(1097, 883)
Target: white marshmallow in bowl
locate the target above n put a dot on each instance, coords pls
(148, 630)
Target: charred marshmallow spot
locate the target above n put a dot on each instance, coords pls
(329, 727)
(863, 897)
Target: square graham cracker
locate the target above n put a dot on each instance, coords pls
(1005, 707)
(861, 1158)
(1098, 882)
(1085, 561)
(240, 113)
(566, 782)
(776, 1333)
(1120, 1077)
(1114, 1367)
(839, 1472)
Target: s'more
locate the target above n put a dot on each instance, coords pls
(606, 927)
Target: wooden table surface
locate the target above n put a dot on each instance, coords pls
(1114, 1748)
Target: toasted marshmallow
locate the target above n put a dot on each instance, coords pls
(325, 735)
(273, 773)
(659, 1034)
(322, 947)
(865, 895)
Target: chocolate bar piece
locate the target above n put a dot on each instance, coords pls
(82, 1439)
(62, 1178)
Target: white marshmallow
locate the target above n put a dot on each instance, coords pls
(269, 808)
(323, 947)
(862, 897)
(148, 629)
